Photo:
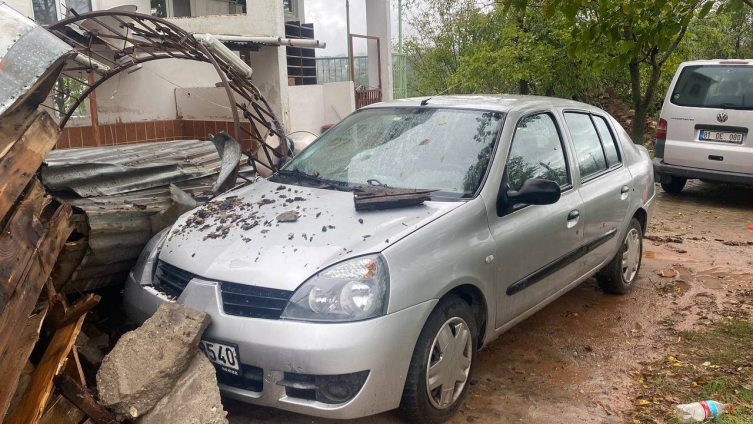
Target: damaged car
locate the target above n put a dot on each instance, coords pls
(367, 273)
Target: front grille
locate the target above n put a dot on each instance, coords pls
(170, 279)
(237, 299)
(251, 380)
(253, 302)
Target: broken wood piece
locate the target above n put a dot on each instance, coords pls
(376, 198)
(73, 367)
(21, 159)
(81, 397)
(81, 307)
(21, 234)
(12, 366)
(35, 397)
(25, 297)
(62, 411)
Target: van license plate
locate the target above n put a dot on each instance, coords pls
(223, 355)
(727, 137)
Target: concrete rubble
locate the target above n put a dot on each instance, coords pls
(157, 374)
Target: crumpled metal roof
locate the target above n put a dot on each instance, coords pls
(111, 170)
(121, 189)
(30, 57)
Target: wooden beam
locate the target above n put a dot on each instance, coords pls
(80, 396)
(25, 297)
(32, 405)
(73, 367)
(20, 160)
(79, 308)
(19, 238)
(12, 367)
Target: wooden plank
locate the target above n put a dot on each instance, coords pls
(70, 257)
(35, 397)
(20, 236)
(80, 396)
(25, 297)
(73, 367)
(62, 411)
(14, 124)
(24, 157)
(12, 367)
(81, 307)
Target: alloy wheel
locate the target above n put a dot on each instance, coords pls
(631, 256)
(449, 363)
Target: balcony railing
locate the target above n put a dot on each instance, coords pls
(337, 69)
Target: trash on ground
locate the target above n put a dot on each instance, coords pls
(697, 412)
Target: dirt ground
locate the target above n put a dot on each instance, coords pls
(576, 360)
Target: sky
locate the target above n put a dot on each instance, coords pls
(328, 17)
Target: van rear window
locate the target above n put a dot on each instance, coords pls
(715, 86)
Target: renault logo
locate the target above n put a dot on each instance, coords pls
(722, 117)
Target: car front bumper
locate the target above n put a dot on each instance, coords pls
(383, 346)
(662, 171)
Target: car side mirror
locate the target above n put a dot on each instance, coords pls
(535, 192)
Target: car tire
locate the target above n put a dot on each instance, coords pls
(675, 185)
(451, 317)
(621, 273)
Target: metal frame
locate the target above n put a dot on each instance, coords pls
(154, 38)
(369, 95)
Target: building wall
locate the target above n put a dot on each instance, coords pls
(314, 106)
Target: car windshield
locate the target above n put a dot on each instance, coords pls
(715, 86)
(447, 150)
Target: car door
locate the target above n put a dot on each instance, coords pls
(534, 242)
(604, 185)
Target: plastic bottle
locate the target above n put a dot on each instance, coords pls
(701, 411)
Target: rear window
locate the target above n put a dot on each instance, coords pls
(715, 86)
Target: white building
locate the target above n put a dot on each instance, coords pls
(175, 99)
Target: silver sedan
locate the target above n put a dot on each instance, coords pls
(367, 273)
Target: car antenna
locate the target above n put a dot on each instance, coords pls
(425, 101)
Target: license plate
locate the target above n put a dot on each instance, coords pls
(727, 137)
(223, 355)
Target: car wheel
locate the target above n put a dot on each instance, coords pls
(442, 362)
(620, 274)
(675, 185)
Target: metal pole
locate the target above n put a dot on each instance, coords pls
(400, 26)
(93, 110)
(350, 47)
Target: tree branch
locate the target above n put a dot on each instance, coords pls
(674, 45)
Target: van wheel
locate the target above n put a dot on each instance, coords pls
(442, 362)
(620, 274)
(675, 185)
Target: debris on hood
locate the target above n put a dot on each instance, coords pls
(376, 198)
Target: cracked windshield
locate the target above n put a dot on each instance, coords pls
(447, 150)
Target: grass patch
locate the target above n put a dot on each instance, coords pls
(711, 365)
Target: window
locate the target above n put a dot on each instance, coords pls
(426, 148)
(45, 11)
(588, 148)
(607, 139)
(715, 86)
(536, 152)
(287, 5)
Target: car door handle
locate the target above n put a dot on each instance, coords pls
(574, 214)
(624, 190)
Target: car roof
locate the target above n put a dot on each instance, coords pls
(718, 62)
(496, 102)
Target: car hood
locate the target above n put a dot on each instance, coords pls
(219, 241)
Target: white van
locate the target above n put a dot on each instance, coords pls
(703, 130)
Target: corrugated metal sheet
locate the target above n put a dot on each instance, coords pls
(102, 171)
(30, 57)
(135, 182)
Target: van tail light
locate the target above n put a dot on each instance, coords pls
(661, 138)
(661, 129)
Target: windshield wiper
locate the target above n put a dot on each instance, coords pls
(298, 175)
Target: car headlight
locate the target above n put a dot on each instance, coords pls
(353, 290)
(144, 267)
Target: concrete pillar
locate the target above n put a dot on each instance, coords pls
(378, 24)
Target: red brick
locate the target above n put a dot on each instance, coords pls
(87, 137)
(178, 129)
(150, 130)
(160, 129)
(63, 142)
(140, 131)
(74, 136)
